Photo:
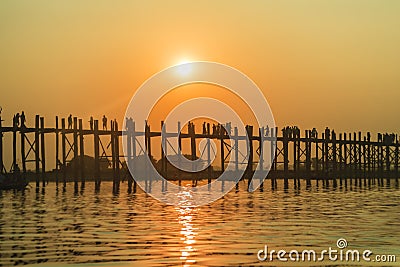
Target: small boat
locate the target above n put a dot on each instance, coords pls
(13, 181)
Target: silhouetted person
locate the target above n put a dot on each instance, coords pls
(327, 133)
(17, 119)
(129, 124)
(333, 134)
(91, 121)
(314, 133)
(104, 122)
(228, 128)
(70, 121)
(267, 131)
(285, 132)
(23, 119)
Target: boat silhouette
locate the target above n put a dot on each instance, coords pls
(14, 180)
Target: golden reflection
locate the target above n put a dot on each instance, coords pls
(188, 231)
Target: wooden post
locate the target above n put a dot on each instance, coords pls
(360, 174)
(396, 160)
(355, 155)
(323, 164)
(296, 155)
(369, 157)
(261, 154)
(14, 140)
(236, 140)
(179, 148)
(148, 149)
(296, 158)
(249, 169)
(192, 133)
(274, 133)
(42, 147)
(163, 153)
(76, 155)
(317, 156)
(209, 154)
(276, 148)
(364, 150)
(344, 155)
(334, 159)
(381, 165)
(82, 153)
(57, 151)
(387, 159)
(149, 155)
(345, 159)
(1, 146)
(272, 149)
(286, 158)
(261, 147)
(23, 154)
(63, 151)
(96, 140)
(340, 159)
(326, 157)
(116, 145)
(37, 148)
(222, 147)
(134, 152)
(129, 152)
(308, 157)
(374, 157)
(351, 160)
(113, 160)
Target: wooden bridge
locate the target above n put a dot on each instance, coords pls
(327, 157)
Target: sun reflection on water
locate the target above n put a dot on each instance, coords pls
(186, 215)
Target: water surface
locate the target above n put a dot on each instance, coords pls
(57, 227)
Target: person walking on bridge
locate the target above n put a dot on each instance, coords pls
(104, 122)
(70, 121)
(91, 121)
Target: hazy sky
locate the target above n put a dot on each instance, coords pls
(319, 63)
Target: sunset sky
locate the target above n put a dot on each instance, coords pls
(318, 63)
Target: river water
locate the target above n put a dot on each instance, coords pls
(56, 227)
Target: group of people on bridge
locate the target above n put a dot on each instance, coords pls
(91, 122)
(387, 139)
(19, 120)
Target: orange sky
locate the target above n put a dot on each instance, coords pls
(318, 63)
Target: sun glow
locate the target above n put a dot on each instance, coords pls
(184, 68)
